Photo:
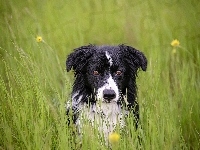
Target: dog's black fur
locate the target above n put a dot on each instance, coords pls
(87, 59)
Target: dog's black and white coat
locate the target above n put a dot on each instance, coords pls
(104, 90)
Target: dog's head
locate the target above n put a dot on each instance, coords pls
(106, 70)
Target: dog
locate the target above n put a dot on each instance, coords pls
(104, 91)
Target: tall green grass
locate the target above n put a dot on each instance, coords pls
(34, 85)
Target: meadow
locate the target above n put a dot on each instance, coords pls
(34, 84)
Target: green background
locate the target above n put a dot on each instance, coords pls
(34, 85)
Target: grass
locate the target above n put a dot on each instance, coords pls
(34, 85)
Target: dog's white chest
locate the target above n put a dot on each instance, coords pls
(105, 117)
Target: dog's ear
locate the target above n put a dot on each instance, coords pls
(79, 58)
(134, 57)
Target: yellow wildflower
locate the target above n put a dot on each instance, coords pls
(39, 39)
(114, 137)
(175, 43)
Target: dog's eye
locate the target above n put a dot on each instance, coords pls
(96, 73)
(118, 73)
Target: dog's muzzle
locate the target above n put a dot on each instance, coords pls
(109, 94)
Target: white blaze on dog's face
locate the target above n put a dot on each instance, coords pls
(111, 88)
(109, 92)
(106, 88)
(109, 58)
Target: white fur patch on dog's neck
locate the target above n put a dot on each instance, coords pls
(105, 115)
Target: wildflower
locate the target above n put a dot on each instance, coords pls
(175, 43)
(114, 137)
(39, 39)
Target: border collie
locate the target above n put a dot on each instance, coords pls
(104, 91)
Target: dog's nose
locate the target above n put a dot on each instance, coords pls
(109, 94)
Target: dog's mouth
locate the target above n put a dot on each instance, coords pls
(107, 101)
(107, 109)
